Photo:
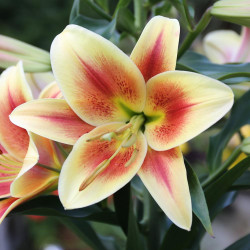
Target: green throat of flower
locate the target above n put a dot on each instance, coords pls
(127, 136)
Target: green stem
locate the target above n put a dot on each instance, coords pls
(204, 21)
(99, 10)
(47, 167)
(140, 15)
(223, 167)
(232, 75)
(62, 150)
(188, 16)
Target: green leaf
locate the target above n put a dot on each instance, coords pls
(195, 62)
(85, 231)
(74, 11)
(99, 26)
(93, 18)
(241, 244)
(242, 183)
(121, 202)
(51, 205)
(223, 183)
(237, 119)
(134, 239)
(199, 204)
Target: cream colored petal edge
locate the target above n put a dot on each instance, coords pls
(164, 175)
(180, 105)
(50, 118)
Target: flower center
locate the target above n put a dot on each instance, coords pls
(127, 136)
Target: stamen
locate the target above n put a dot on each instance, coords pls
(96, 137)
(108, 136)
(99, 169)
(123, 128)
(132, 158)
(102, 166)
(131, 140)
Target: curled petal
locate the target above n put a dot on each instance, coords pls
(164, 175)
(9, 204)
(34, 181)
(40, 150)
(181, 105)
(38, 81)
(108, 86)
(156, 49)
(83, 161)
(51, 91)
(243, 53)
(14, 92)
(50, 118)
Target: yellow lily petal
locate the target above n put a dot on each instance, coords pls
(14, 91)
(107, 85)
(50, 118)
(156, 49)
(164, 175)
(181, 105)
(38, 81)
(51, 91)
(83, 161)
(40, 150)
(221, 46)
(36, 180)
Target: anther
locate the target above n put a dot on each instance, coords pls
(132, 158)
(99, 169)
(130, 141)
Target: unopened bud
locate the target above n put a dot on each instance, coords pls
(33, 58)
(234, 11)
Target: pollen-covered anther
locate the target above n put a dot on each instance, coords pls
(132, 158)
(101, 167)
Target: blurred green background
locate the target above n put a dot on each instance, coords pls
(34, 21)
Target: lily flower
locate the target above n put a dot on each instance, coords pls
(236, 49)
(142, 110)
(29, 164)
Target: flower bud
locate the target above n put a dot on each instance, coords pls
(234, 11)
(33, 58)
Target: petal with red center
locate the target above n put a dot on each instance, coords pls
(51, 91)
(181, 105)
(36, 180)
(156, 49)
(14, 91)
(164, 175)
(83, 161)
(99, 81)
(50, 118)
